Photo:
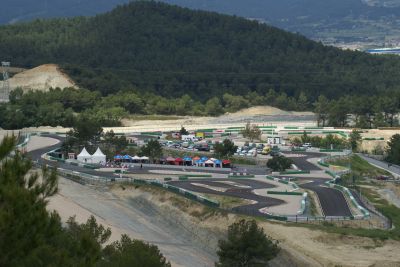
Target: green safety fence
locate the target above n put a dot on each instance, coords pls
(299, 149)
(151, 133)
(331, 173)
(324, 164)
(373, 139)
(314, 128)
(240, 176)
(284, 193)
(295, 172)
(167, 179)
(235, 128)
(331, 150)
(206, 130)
(291, 127)
(302, 132)
(197, 175)
(267, 127)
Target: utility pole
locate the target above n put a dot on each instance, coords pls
(5, 90)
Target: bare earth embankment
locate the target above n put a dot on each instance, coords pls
(41, 78)
(187, 232)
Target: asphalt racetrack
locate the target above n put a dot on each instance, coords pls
(332, 201)
(240, 188)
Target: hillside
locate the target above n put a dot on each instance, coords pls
(173, 51)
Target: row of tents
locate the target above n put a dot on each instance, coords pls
(197, 161)
(127, 158)
(185, 161)
(98, 157)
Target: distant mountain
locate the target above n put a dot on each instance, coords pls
(172, 51)
(13, 11)
(332, 21)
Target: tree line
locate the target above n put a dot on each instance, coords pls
(63, 107)
(171, 52)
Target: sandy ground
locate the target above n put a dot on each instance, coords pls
(308, 247)
(391, 193)
(369, 145)
(38, 142)
(41, 78)
(130, 215)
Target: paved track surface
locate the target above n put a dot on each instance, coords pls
(234, 191)
(332, 201)
(302, 163)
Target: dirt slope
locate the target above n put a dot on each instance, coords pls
(41, 78)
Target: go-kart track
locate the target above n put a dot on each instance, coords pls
(332, 201)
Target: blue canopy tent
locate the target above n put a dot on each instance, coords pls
(187, 161)
(127, 158)
(218, 163)
(199, 162)
(118, 157)
(204, 158)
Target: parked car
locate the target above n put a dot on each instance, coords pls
(382, 177)
(306, 145)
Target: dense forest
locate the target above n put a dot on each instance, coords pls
(172, 51)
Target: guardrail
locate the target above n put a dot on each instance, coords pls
(344, 190)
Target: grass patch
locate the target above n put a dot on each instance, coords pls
(187, 205)
(313, 205)
(243, 161)
(227, 202)
(360, 169)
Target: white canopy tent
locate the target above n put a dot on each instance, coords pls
(98, 157)
(84, 156)
(136, 158)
